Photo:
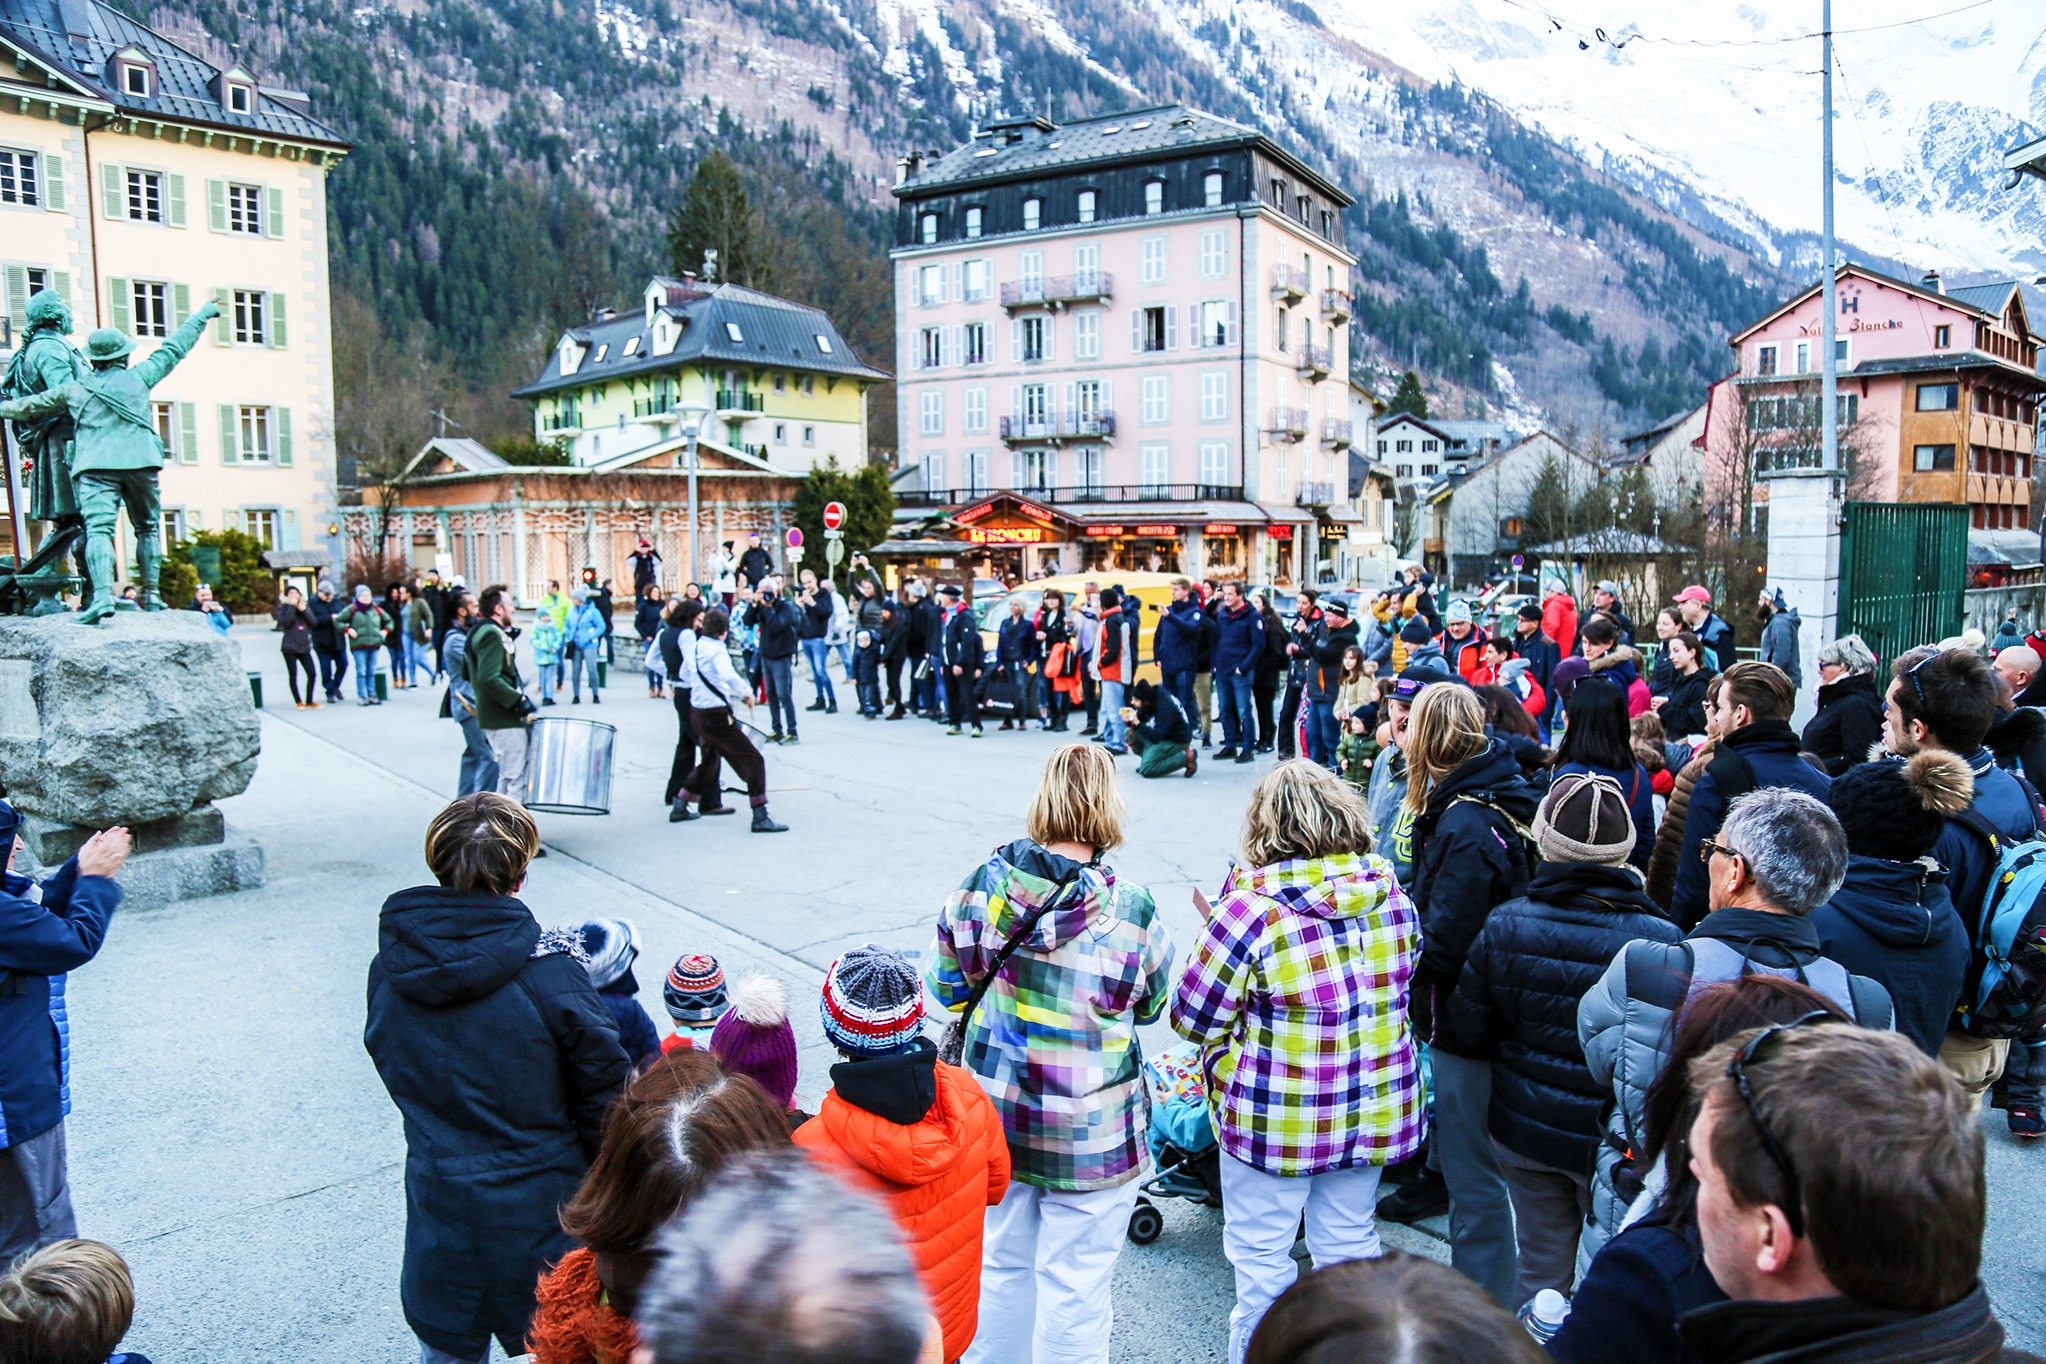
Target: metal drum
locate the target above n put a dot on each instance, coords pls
(568, 766)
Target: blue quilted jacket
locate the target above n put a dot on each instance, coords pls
(40, 940)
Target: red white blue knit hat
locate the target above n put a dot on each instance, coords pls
(873, 1003)
(695, 990)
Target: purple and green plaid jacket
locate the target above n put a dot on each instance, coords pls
(1297, 995)
(1054, 1042)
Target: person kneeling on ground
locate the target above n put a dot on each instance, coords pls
(71, 1301)
(1163, 733)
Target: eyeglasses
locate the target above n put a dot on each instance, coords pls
(1707, 847)
(1793, 1204)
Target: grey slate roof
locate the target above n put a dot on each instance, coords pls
(183, 89)
(777, 334)
(1989, 298)
(1132, 135)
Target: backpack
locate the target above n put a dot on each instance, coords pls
(2010, 936)
(1530, 854)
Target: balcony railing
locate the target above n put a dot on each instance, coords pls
(1336, 306)
(757, 451)
(1038, 430)
(564, 420)
(1082, 494)
(652, 407)
(1289, 281)
(739, 400)
(1288, 423)
(1335, 433)
(1058, 290)
(1316, 495)
(1314, 361)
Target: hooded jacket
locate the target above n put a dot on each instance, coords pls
(1779, 643)
(1239, 640)
(1468, 857)
(1297, 997)
(1054, 1041)
(501, 1059)
(1893, 922)
(1769, 749)
(923, 1136)
(1517, 998)
(44, 934)
(1559, 621)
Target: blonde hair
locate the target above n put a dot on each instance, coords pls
(481, 842)
(1301, 809)
(69, 1303)
(1077, 800)
(1445, 730)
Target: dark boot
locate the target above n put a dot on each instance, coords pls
(897, 713)
(818, 704)
(1425, 1197)
(831, 708)
(763, 823)
(680, 813)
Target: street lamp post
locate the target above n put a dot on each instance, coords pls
(692, 413)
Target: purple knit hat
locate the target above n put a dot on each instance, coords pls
(754, 1037)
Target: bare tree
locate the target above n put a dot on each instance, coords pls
(385, 392)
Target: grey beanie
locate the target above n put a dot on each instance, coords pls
(1584, 818)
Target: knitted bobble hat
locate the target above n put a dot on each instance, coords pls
(1584, 818)
(754, 1037)
(695, 990)
(1416, 631)
(1896, 811)
(873, 1002)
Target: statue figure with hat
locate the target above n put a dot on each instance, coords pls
(116, 453)
(46, 360)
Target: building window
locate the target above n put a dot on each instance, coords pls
(1214, 323)
(1942, 337)
(249, 322)
(1765, 360)
(934, 472)
(1033, 338)
(1939, 397)
(1152, 404)
(1215, 464)
(1087, 202)
(255, 435)
(1285, 325)
(1403, 470)
(1087, 334)
(1154, 198)
(1033, 274)
(930, 347)
(18, 178)
(135, 79)
(781, 381)
(1087, 400)
(929, 229)
(239, 99)
(1154, 260)
(145, 196)
(1214, 253)
(151, 315)
(173, 527)
(1211, 189)
(931, 412)
(823, 348)
(245, 209)
(1033, 214)
(1214, 396)
(733, 334)
(976, 411)
(973, 222)
(930, 285)
(1156, 464)
(1430, 470)
(260, 524)
(1087, 467)
(809, 435)
(1328, 225)
(1152, 323)
(1804, 357)
(781, 433)
(164, 416)
(1932, 459)
(1036, 406)
(1036, 469)
(1300, 204)
(809, 386)
(1429, 447)
(1403, 446)
(975, 335)
(1279, 194)
(976, 276)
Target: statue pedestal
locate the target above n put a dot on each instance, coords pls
(143, 720)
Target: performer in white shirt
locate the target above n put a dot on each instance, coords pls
(677, 643)
(712, 691)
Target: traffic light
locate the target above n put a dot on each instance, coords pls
(590, 577)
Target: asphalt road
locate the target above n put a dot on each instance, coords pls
(231, 1137)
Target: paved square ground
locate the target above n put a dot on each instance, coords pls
(231, 1137)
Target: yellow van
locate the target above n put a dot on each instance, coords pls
(1152, 592)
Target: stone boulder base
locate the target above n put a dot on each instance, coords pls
(142, 718)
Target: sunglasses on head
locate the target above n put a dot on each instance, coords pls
(1737, 1071)
(1912, 676)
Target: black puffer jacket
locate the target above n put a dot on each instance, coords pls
(1850, 718)
(1468, 857)
(502, 1059)
(2018, 739)
(1516, 1002)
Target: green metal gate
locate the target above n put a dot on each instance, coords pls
(1903, 569)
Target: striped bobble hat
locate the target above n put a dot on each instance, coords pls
(873, 1003)
(695, 990)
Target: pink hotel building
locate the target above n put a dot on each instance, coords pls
(1122, 344)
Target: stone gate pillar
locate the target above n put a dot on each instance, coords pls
(1806, 507)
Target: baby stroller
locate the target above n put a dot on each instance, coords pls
(1182, 1141)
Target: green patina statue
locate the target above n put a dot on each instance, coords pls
(116, 453)
(46, 360)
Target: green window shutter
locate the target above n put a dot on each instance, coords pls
(273, 217)
(120, 304)
(281, 420)
(275, 320)
(113, 192)
(230, 435)
(289, 532)
(174, 197)
(181, 305)
(16, 278)
(216, 205)
(60, 284)
(53, 182)
(223, 326)
(188, 433)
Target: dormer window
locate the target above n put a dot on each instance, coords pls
(732, 333)
(1087, 203)
(1154, 197)
(571, 356)
(930, 229)
(241, 99)
(1033, 214)
(133, 73)
(135, 80)
(235, 88)
(973, 222)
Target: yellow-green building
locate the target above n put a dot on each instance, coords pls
(781, 382)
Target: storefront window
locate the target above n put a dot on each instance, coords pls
(1222, 556)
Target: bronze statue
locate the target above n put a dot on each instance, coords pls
(116, 453)
(45, 360)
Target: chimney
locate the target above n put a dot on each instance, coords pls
(907, 166)
(1933, 282)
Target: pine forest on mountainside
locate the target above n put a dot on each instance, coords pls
(516, 165)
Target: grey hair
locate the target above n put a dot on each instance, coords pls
(779, 1260)
(1851, 653)
(1793, 845)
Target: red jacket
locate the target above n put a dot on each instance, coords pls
(1466, 655)
(1559, 622)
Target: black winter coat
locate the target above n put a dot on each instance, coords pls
(501, 1058)
(1768, 750)
(1893, 922)
(326, 638)
(1467, 858)
(2018, 739)
(1850, 718)
(1516, 1002)
(778, 622)
(1684, 714)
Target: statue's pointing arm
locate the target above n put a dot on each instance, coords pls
(166, 357)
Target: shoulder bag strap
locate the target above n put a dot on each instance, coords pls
(954, 1044)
